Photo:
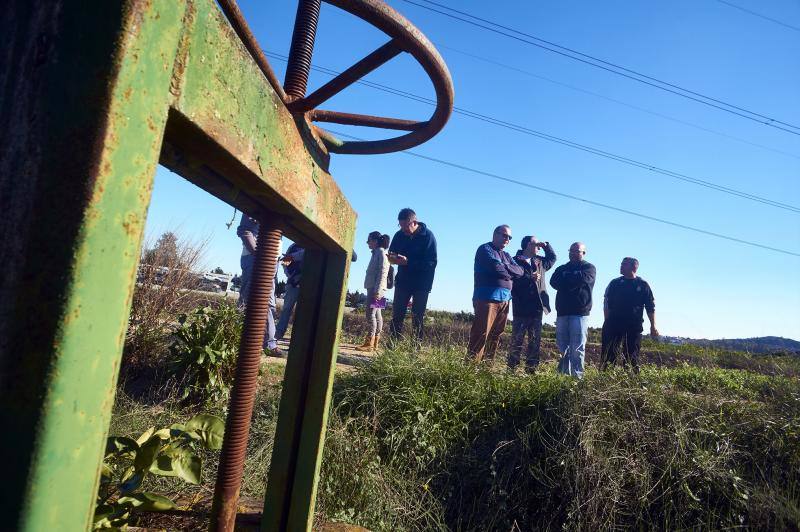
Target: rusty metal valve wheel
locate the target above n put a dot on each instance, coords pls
(404, 38)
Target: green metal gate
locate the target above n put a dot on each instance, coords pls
(95, 94)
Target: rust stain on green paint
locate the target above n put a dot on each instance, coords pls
(224, 93)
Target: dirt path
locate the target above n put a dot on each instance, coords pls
(347, 360)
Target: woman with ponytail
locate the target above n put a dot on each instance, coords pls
(376, 284)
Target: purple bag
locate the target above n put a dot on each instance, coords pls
(381, 303)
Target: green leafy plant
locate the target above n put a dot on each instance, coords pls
(167, 452)
(204, 351)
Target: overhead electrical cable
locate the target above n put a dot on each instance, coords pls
(565, 142)
(614, 100)
(583, 200)
(759, 15)
(609, 66)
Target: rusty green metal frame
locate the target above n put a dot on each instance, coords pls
(94, 95)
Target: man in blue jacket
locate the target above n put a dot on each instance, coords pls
(574, 282)
(494, 272)
(530, 302)
(413, 250)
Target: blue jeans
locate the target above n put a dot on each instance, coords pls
(399, 308)
(246, 263)
(571, 335)
(289, 300)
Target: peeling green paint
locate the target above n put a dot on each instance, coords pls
(225, 94)
(82, 380)
(172, 60)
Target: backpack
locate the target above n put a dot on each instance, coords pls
(390, 278)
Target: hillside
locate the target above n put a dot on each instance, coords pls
(762, 344)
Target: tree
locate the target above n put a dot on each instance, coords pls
(355, 299)
(164, 253)
(218, 270)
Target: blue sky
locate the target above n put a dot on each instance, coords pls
(704, 286)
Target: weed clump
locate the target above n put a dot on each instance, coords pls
(203, 352)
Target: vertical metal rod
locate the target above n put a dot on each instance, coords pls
(240, 408)
(305, 31)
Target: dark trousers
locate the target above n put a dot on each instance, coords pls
(399, 307)
(613, 338)
(532, 327)
(487, 326)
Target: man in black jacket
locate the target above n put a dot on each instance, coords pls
(413, 249)
(574, 282)
(625, 300)
(530, 302)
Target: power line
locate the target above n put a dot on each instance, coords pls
(565, 142)
(583, 200)
(614, 100)
(759, 15)
(612, 67)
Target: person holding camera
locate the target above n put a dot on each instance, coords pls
(529, 302)
(292, 262)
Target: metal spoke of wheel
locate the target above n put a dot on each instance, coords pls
(350, 119)
(372, 61)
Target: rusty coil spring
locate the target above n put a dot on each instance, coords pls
(240, 408)
(305, 31)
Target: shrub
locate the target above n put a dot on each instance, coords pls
(163, 289)
(203, 352)
(167, 452)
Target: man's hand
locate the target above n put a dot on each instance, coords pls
(400, 260)
(654, 331)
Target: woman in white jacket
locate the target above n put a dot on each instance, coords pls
(375, 283)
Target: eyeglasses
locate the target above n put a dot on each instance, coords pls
(504, 235)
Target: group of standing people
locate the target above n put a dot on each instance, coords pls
(502, 281)
(413, 251)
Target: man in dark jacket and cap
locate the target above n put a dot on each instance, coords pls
(413, 250)
(530, 302)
